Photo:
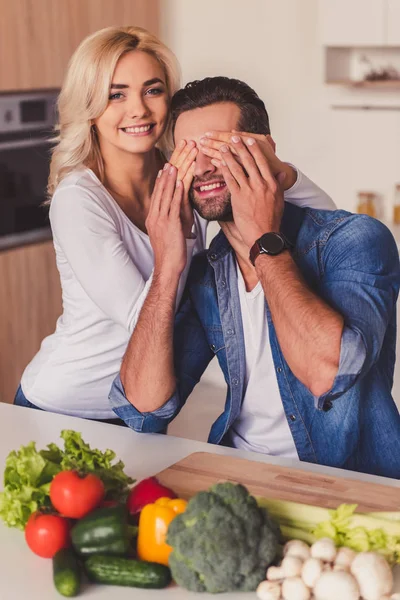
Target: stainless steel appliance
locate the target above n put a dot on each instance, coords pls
(26, 128)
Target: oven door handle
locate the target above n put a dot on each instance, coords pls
(24, 144)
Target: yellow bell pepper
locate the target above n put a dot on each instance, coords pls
(153, 526)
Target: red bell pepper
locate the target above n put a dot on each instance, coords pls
(145, 492)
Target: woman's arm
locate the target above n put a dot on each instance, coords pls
(306, 193)
(91, 243)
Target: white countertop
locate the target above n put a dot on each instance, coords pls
(25, 576)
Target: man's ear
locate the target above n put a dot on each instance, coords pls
(271, 142)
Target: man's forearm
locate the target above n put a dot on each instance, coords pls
(147, 370)
(309, 331)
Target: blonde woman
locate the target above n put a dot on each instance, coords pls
(113, 124)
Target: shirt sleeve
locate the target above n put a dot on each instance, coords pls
(92, 245)
(192, 354)
(305, 193)
(361, 278)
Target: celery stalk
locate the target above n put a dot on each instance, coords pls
(294, 533)
(388, 516)
(378, 532)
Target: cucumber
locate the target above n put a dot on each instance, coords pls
(102, 531)
(124, 571)
(67, 573)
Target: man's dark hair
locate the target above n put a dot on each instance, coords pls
(214, 90)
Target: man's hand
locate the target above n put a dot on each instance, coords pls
(212, 141)
(164, 224)
(183, 158)
(257, 196)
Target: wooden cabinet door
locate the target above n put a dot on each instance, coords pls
(38, 37)
(30, 303)
(352, 22)
(393, 22)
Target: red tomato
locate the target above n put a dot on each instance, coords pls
(46, 534)
(75, 496)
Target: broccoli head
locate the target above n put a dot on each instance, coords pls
(223, 541)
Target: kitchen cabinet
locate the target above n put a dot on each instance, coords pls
(38, 37)
(30, 303)
(352, 22)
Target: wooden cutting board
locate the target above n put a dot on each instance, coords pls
(200, 470)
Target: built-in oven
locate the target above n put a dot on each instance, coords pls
(26, 128)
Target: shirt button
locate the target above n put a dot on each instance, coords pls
(229, 331)
(327, 405)
(292, 417)
(212, 346)
(279, 370)
(223, 283)
(235, 381)
(213, 256)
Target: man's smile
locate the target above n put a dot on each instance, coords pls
(209, 189)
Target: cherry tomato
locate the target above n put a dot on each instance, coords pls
(46, 534)
(75, 496)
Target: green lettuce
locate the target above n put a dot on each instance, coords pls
(28, 474)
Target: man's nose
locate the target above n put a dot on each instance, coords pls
(203, 165)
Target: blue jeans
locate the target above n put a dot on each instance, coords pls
(21, 400)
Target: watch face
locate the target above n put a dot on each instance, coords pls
(272, 243)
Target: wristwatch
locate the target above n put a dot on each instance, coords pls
(271, 243)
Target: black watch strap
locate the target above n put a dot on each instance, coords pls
(271, 243)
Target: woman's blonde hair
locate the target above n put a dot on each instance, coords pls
(85, 92)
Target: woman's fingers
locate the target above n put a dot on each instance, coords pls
(211, 146)
(257, 136)
(175, 209)
(187, 163)
(177, 152)
(158, 190)
(181, 152)
(232, 172)
(247, 160)
(261, 162)
(168, 190)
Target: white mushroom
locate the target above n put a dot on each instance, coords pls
(275, 574)
(324, 549)
(297, 548)
(312, 569)
(373, 574)
(291, 566)
(345, 556)
(269, 590)
(294, 588)
(337, 585)
(341, 568)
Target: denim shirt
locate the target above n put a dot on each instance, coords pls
(352, 263)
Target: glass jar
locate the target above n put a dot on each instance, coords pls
(366, 203)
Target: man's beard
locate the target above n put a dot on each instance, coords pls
(217, 208)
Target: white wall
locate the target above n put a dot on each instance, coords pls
(273, 45)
